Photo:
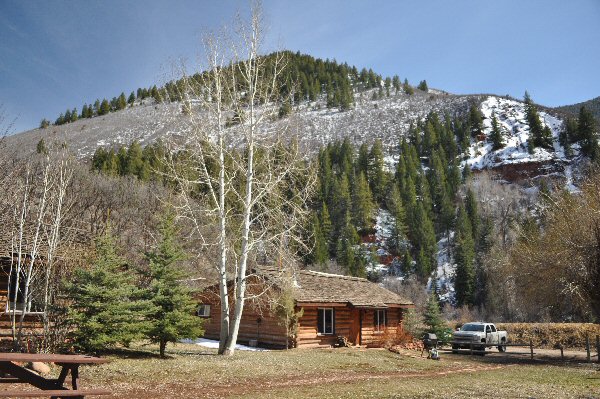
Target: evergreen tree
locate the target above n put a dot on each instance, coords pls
(396, 83)
(568, 135)
(433, 317)
(407, 88)
(104, 107)
(105, 307)
(464, 256)
(588, 133)
(376, 173)
(362, 161)
(473, 214)
(172, 317)
(121, 102)
(396, 209)
(41, 147)
(74, 115)
(44, 123)
(326, 229)
(539, 136)
(475, 120)
(319, 252)
(131, 98)
(496, 134)
(97, 107)
(362, 203)
(423, 86)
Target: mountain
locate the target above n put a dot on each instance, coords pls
(314, 125)
(593, 105)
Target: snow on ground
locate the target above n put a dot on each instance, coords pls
(209, 343)
(511, 116)
(445, 270)
(383, 226)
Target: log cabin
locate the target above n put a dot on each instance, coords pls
(327, 308)
(13, 306)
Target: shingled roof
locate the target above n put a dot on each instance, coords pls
(316, 287)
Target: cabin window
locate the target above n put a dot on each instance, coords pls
(325, 321)
(379, 320)
(16, 291)
(203, 311)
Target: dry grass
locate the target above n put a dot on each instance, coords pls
(193, 372)
(550, 335)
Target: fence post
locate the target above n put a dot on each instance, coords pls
(562, 354)
(598, 347)
(587, 348)
(531, 347)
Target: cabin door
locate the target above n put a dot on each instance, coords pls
(354, 326)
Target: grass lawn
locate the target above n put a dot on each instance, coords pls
(195, 372)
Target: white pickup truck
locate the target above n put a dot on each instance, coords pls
(479, 336)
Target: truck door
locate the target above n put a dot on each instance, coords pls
(489, 335)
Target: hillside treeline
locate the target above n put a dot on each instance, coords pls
(305, 78)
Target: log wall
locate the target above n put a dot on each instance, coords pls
(256, 324)
(309, 338)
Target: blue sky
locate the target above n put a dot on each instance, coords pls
(59, 54)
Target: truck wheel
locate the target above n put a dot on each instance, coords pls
(454, 348)
(502, 348)
(481, 349)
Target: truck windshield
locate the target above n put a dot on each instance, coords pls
(472, 327)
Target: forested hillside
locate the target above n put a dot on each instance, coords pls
(413, 186)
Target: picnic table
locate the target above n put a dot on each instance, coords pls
(12, 371)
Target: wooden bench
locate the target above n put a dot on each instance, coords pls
(12, 371)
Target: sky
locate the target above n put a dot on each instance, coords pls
(60, 54)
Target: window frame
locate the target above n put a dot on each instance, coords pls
(324, 312)
(378, 326)
(205, 307)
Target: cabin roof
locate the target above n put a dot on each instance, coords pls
(317, 287)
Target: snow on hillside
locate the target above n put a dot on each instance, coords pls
(511, 117)
(313, 124)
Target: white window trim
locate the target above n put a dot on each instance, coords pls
(205, 308)
(378, 327)
(324, 324)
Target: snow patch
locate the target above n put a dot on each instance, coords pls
(210, 343)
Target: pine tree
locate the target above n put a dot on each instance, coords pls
(362, 203)
(326, 229)
(423, 86)
(105, 307)
(44, 123)
(396, 83)
(104, 107)
(588, 133)
(496, 134)
(172, 317)
(131, 98)
(473, 214)
(376, 174)
(464, 256)
(319, 251)
(41, 147)
(74, 115)
(475, 120)
(399, 229)
(407, 88)
(433, 317)
(539, 135)
(121, 102)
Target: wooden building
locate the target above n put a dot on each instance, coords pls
(327, 307)
(13, 307)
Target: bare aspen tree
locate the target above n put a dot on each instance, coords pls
(40, 185)
(242, 187)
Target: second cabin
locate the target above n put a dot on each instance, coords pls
(307, 309)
